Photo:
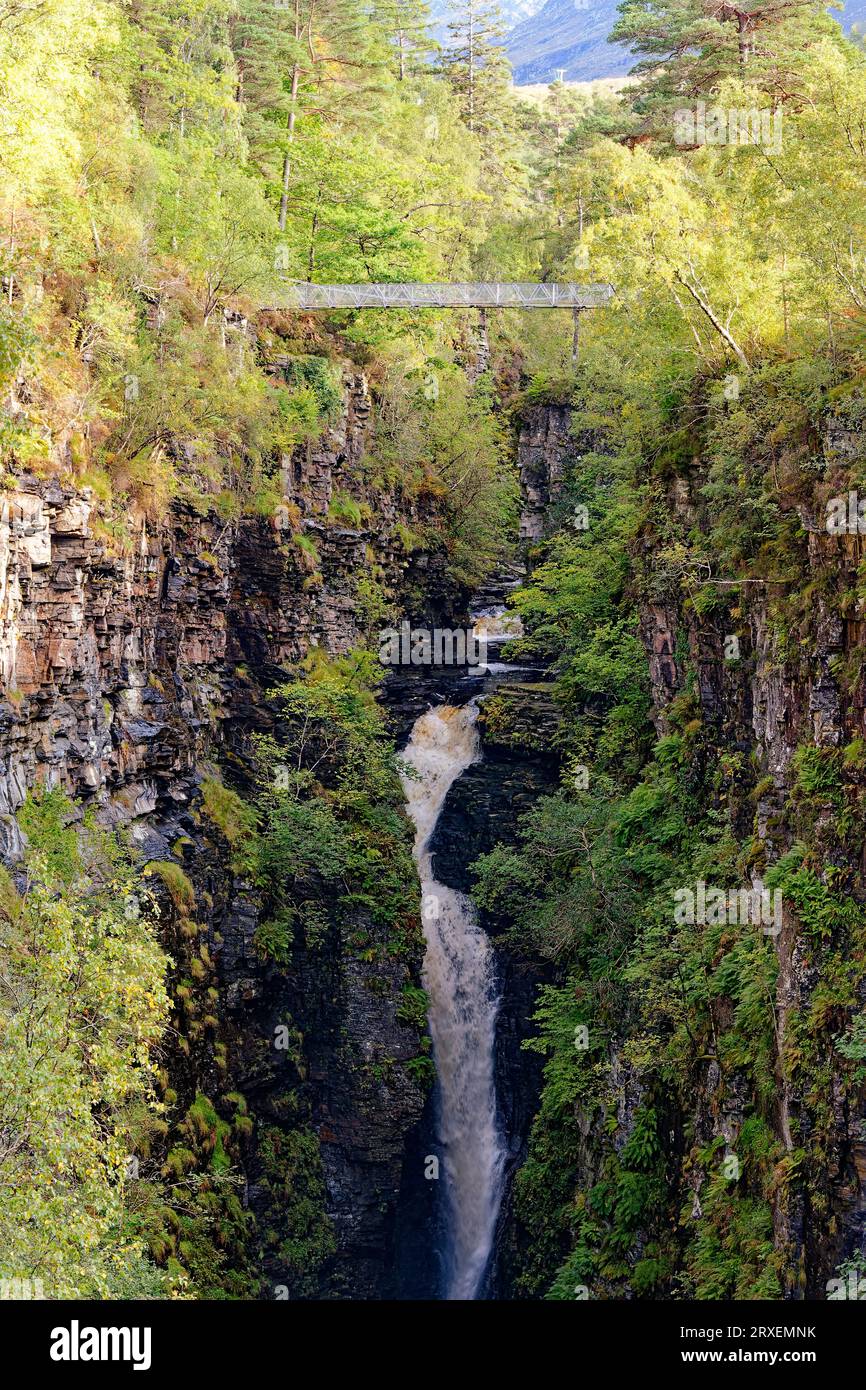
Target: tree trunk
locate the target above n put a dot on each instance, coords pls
(575, 338)
(311, 259)
(290, 126)
(720, 328)
(471, 62)
(287, 158)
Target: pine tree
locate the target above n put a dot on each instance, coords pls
(319, 61)
(476, 63)
(264, 44)
(406, 22)
(181, 66)
(688, 48)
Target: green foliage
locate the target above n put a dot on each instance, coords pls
(422, 1071)
(576, 618)
(412, 1008)
(344, 508)
(203, 1125)
(273, 938)
(497, 719)
(47, 818)
(233, 817)
(323, 379)
(821, 903)
(816, 771)
(684, 47)
(16, 339)
(176, 881)
(83, 1007)
(732, 1252)
(302, 842)
(308, 550)
(479, 72)
(300, 1235)
(853, 1046)
(331, 819)
(448, 445)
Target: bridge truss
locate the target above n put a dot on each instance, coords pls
(490, 295)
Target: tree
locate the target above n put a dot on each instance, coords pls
(406, 22)
(82, 1009)
(264, 39)
(689, 48)
(318, 63)
(213, 215)
(476, 64)
(179, 63)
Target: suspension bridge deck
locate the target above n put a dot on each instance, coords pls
(490, 295)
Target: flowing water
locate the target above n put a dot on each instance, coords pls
(459, 979)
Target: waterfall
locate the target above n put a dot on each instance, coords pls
(458, 977)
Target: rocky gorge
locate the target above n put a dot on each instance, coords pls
(136, 673)
(762, 682)
(133, 677)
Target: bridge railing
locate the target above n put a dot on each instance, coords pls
(482, 295)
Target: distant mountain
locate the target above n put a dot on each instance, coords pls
(571, 36)
(513, 13)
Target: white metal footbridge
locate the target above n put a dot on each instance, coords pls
(481, 295)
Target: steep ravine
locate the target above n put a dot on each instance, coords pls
(134, 674)
(502, 771)
(762, 706)
(130, 676)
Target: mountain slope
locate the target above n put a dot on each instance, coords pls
(513, 12)
(570, 36)
(565, 35)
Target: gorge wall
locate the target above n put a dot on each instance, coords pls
(131, 676)
(763, 682)
(762, 701)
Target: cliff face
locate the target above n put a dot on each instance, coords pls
(131, 673)
(84, 627)
(764, 704)
(544, 447)
(766, 669)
